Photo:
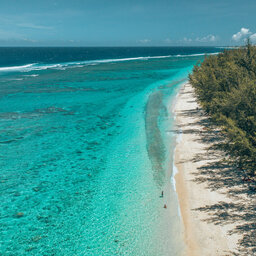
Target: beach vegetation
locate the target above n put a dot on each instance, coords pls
(225, 85)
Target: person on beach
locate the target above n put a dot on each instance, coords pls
(165, 206)
(162, 195)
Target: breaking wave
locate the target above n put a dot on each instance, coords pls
(63, 66)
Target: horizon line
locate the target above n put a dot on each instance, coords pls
(120, 46)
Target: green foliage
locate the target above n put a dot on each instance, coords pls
(226, 88)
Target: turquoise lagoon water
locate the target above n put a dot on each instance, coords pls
(85, 152)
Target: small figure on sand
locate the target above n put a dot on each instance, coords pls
(165, 206)
(162, 194)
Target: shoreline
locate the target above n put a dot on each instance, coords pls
(201, 237)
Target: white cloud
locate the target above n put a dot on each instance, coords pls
(144, 41)
(29, 40)
(205, 39)
(185, 39)
(253, 38)
(242, 34)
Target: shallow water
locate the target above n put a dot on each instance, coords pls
(85, 154)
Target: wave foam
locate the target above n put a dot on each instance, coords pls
(196, 54)
(63, 66)
(33, 75)
(16, 68)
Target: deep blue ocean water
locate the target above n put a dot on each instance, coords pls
(86, 149)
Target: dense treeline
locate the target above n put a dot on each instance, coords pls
(225, 85)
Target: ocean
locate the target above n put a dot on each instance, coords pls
(86, 147)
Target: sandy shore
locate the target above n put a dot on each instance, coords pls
(204, 234)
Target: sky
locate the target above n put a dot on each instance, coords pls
(126, 22)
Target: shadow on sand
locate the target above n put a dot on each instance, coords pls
(223, 176)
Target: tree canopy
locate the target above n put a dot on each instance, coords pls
(225, 85)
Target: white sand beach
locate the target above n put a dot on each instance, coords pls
(203, 234)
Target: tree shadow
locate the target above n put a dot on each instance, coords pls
(221, 174)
